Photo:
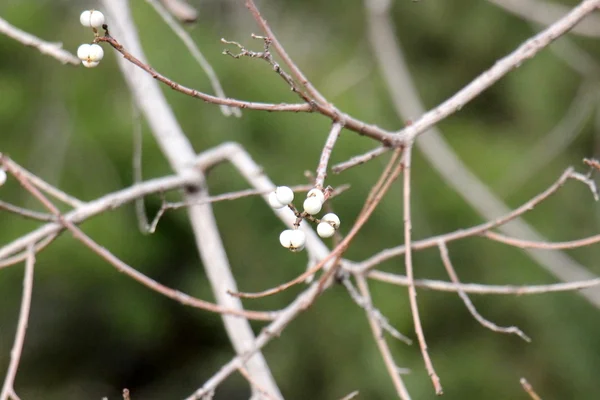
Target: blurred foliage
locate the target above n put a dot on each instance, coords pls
(93, 331)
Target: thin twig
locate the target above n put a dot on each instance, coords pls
(365, 303)
(15, 353)
(45, 186)
(136, 164)
(529, 389)
(336, 128)
(531, 244)
(359, 160)
(382, 344)
(51, 49)
(37, 247)
(312, 91)
(469, 304)
(468, 232)
(26, 213)
(412, 291)
(197, 54)
(483, 289)
(300, 107)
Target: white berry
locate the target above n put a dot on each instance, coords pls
(297, 240)
(83, 52)
(96, 53)
(318, 193)
(85, 18)
(2, 177)
(332, 219)
(284, 194)
(325, 230)
(92, 18)
(90, 64)
(285, 238)
(312, 205)
(274, 202)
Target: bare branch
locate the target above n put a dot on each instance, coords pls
(108, 202)
(441, 156)
(128, 270)
(50, 49)
(501, 67)
(336, 128)
(376, 328)
(412, 291)
(15, 354)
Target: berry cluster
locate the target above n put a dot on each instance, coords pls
(295, 239)
(91, 54)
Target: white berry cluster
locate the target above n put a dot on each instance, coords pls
(91, 54)
(295, 239)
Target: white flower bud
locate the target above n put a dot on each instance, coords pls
(318, 193)
(274, 202)
(285, 195)
(325, 230)
(96, 53)
(90, 64)
(312, 205)
(285, 238)
(297, 240)
(2, 177)
(332, 219)
(83, 51)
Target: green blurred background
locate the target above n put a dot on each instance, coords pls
(93, 331)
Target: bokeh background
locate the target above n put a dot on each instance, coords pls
(93, 331)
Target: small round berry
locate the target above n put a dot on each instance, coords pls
(274, 202)
(297, 240)
(83, 51)
(312, 205)
(284, 194)
(2, 177)
(285, 238)
(96, 19)
(85, 18)
(96, 53)
(318, 193)
(90, 64)
(332, 219)
(325, 230)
